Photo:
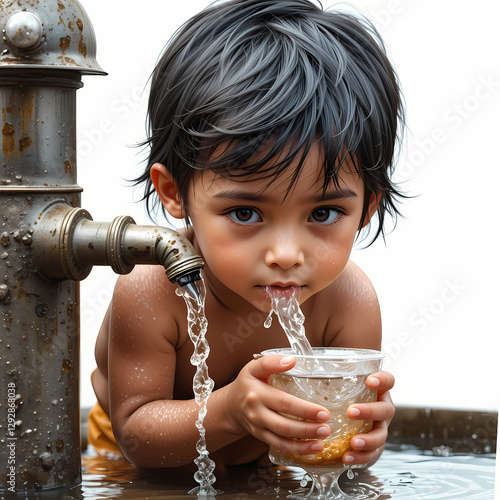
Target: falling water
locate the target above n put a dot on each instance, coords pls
(194, 295)
(291, 319)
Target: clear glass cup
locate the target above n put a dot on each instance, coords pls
(334, 378)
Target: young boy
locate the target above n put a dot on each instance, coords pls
(273, 126)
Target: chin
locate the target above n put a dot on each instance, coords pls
(263, 305)
(260, 301)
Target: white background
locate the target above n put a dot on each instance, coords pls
(437, 275)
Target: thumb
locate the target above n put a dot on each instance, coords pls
(262, 368)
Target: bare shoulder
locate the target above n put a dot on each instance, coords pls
(354, 311)
(140, 329)
(146, 298)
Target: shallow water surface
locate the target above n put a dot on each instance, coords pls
(405, 472)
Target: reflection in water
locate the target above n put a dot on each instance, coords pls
(400, 473)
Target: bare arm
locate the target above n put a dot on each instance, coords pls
(151, 428)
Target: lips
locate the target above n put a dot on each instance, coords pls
(286, 290)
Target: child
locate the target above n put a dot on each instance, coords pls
(273, 126)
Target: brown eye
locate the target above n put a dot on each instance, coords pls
(325, 215)
(244, 215)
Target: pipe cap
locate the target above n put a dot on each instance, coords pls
(48, 34)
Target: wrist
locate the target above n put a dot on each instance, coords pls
(220, 413)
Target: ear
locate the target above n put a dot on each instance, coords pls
(372, 208)
(167, 190)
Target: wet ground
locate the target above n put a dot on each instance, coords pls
(402, 472)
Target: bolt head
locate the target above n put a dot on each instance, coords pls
(24, 30)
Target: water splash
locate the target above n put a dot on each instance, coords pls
(194, 296)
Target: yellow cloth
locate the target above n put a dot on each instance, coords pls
(100, 433)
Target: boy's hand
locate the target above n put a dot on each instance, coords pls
(254, 407)
(368, 447)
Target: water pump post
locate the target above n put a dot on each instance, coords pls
(48, 243)
(46, 47)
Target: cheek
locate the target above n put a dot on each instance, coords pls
(327, 261)
(224, 254)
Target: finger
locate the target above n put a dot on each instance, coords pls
(298, 429)
(382, 381)
(282, 402)
(360, 457)
(371, 440)
(262, 368)
(379, 410)
(294, 446)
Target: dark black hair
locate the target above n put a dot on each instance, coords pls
(282, 73)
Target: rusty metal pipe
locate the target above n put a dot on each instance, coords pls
(67, 243)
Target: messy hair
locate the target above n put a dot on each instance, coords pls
(284, 74)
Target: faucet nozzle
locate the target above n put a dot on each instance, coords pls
(188, 278)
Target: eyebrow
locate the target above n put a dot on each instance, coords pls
(240, 194)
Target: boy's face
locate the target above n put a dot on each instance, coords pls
(251, 236)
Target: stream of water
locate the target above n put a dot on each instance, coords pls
(291, 319)
(194, 296)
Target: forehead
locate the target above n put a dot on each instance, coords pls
(307, 176)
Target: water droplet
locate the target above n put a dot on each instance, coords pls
(350, 474)
(304, 481)
(269, 320)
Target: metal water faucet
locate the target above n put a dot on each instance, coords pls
(67, 243)
(48, 243)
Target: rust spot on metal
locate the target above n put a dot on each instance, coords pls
(21, 293)
(82, 48)
(68, 60)
(26, 476)
(61, 21)
(20, 60)
(64, 43)
(8, 139)
(27, 109)
(67, 365)
(60, 445)
(61, 5)
(24, 143)
(5, 239)
(68, 167)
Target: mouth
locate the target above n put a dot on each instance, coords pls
(286, 290)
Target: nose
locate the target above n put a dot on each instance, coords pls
(284, 250)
